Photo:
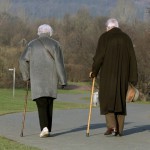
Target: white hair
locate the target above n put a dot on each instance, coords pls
(45, 28)
(111, 23)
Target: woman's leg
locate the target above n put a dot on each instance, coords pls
(50, 112)
(42, 104)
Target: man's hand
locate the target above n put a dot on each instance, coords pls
(91, 75)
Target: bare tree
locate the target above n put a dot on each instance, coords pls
(5, 5)
(125, 11)
(21, 13)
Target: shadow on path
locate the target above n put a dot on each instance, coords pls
(81, 128)
(137, 129)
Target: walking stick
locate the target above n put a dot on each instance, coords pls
(90, 111)
(25, 108)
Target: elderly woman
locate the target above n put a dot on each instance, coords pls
(42, 64)
(116, 61)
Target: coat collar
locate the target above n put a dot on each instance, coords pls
(44, 35)
(114, 30)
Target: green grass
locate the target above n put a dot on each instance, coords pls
(72, 91)
(80, 83)
(6, 144)
(143, 102)
(8, 104)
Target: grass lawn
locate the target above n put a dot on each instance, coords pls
(6, 144)
(8, 104)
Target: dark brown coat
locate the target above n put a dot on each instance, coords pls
(116, 61)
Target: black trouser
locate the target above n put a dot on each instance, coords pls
(45, 111)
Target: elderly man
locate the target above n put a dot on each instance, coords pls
(42, 63)
(116, 61)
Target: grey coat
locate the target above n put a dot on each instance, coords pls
(43, 71)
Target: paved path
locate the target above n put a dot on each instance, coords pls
(69, 130)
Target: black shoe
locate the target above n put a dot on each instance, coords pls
(118, 134)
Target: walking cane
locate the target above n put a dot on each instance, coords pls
(25, 108)
(90, 111)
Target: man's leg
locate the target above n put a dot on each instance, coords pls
(120, 120)
(111, 123)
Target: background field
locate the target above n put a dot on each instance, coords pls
(10, 104)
